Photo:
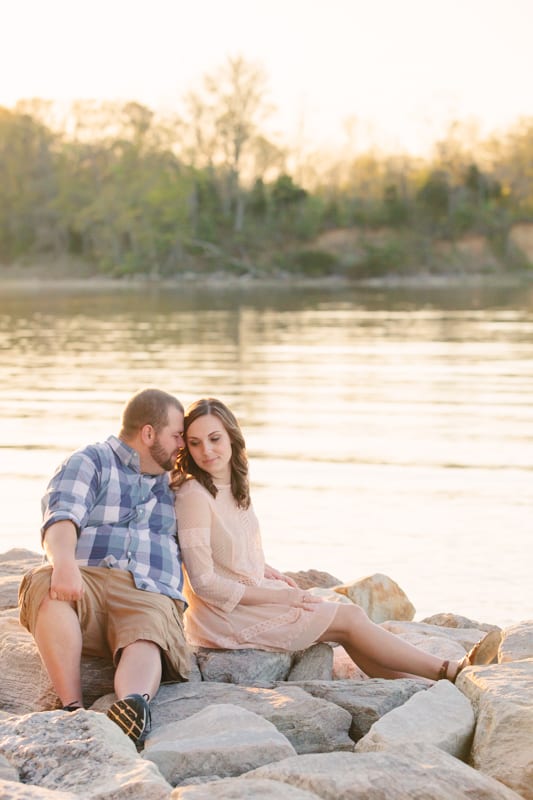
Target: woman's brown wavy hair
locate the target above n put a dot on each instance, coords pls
(185, 466)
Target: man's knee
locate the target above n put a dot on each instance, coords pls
(34, 589)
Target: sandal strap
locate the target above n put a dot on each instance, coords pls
(443, 671)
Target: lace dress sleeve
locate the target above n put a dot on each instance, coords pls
(195, 528)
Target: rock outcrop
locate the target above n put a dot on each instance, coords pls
(299, 726)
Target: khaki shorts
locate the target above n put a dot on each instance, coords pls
(113, 613)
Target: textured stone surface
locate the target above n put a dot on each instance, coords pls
(380, 596)
(25, 684)
(435, 639)
(246, 667)
(366, 701)
(502, 696)
(517, 642)
(81, 752)
(412, 772)
(441, 716)
(448, 620)
(223, 740)
(236, 789)
(314, 664)
(27, 791)
(310, 724)
(307, 578)
(85, 755)
(13, 564)
(7, 771)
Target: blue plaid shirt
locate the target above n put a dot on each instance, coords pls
(125, 519)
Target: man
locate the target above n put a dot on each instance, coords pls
(113, 583)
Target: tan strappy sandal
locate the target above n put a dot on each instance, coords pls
(483, 652)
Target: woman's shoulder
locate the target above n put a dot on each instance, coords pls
(190, 487)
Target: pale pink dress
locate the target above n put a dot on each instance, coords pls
(222, 553)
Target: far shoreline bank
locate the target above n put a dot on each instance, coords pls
(17, 281)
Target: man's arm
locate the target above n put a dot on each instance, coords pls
(60, 541)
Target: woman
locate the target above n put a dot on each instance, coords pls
(237, 601)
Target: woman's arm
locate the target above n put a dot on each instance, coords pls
(195, 522)
(195, 529)
(287, 595)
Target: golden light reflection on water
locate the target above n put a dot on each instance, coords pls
(388, 432)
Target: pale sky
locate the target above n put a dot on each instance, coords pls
(401, 68)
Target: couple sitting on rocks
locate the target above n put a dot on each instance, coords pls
(113, 585)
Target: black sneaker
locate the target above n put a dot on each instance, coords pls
(75, 706)
(132, 715)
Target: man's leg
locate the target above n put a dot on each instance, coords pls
(139, 670)
(137, 680)
(58, 637)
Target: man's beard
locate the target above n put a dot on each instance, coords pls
(161, 456)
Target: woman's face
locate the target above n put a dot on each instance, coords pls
(209, 445)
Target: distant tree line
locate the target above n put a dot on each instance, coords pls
(127, 191)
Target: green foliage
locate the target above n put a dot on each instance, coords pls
(433, 197)
(381, 259)
(396, 210)
(313, 263)
(285, 193)
(130, 193)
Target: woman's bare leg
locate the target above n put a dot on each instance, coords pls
(379, 653)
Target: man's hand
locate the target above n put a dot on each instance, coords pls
(60, 547)
(66, 582)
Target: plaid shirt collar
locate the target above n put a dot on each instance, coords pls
(128, 456)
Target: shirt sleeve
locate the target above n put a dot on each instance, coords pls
(71, 493)
(195, 522)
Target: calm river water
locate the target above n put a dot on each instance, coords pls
(388, 430)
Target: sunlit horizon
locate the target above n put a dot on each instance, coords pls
(387, 76)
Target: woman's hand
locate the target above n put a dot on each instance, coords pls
(274, 574)
(299, 598)
(286, 595)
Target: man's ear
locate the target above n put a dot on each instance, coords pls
(147, 435)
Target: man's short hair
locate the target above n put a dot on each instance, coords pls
(147, 407)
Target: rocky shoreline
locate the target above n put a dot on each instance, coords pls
(62, 276)
(251, 724)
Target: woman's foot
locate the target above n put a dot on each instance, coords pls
(483, 652)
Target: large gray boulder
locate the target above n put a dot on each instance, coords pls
(81, 752)
(517, 642)
(26, 791)
(419, 771)
(236, 789)
(380, 596)
(246, 667)
(365, 701)
(502, 697)
(13, 564)
(221, 740)
(25, 684)
(312, 725)
(442, 716)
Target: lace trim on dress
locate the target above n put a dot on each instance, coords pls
(254, 631)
